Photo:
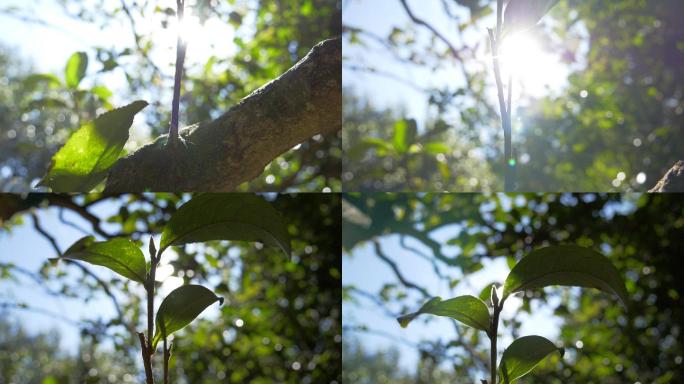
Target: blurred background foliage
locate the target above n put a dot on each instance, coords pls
(38, 112)
(616, 125)
(281, 320)
(640, 234)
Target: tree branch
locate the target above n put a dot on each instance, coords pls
(303, 102)
(381, 255)
(672, 181)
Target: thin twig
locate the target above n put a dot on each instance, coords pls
(181, 45)
(495, 38)
(137, 38)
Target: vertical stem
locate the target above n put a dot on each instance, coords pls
(499, 18)
(508, 145)
(150, 305)
(149, 378)
(493, 331)
(180, 58)
(167, 356)
(147, 351)
(495, 40)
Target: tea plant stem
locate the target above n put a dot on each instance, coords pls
(180, 58)
(492, 338)
(147, 351)
(167, 356)
(149, 379)
(504, 108)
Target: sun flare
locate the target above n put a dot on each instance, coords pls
(211, 38)
(536, 69)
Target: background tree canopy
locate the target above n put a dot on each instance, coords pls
(238, 46)
(611, 120)
(280, 320)
(421, 246)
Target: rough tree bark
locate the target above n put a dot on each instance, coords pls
(301, 103)
(673, 181)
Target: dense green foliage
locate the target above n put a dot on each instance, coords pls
(640, 235)
(40, 111)
(616, 125)
(280, 319)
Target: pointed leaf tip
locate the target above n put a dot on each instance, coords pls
(180, 308)
(467, 309)
(521, 15)
(119, 255)
(83, 161)
(523, 355)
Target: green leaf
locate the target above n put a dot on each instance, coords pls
(84, 159)
(399, 139)
(180, 308)
(405, 131)
(102, 92)
(226, 216)
(49, 380)
(469, 310)
(521, 15)
(47, 102)
(436, 148)
(32, 81)
(120, 255)
(523, 355)
(75, 69)
(565, 265)
(380, 145)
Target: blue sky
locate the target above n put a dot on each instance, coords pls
(25, 248)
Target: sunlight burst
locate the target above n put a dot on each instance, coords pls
(536, 69)
(213, 38)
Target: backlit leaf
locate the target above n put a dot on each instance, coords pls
(523, 355)
(469, 310)
(226, 216)
(120, 255)
(525, 14)
(75, 69)
(180, 308)
(84, 159)
(565, 265)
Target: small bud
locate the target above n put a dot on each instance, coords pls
(494, 296)
(153, 249)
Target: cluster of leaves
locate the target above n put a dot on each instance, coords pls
(289, 324)
(383, 152)
(206, 217)
(636, 345)
(558, 265)
(38, 113)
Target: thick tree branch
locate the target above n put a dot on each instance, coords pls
(303, 102)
